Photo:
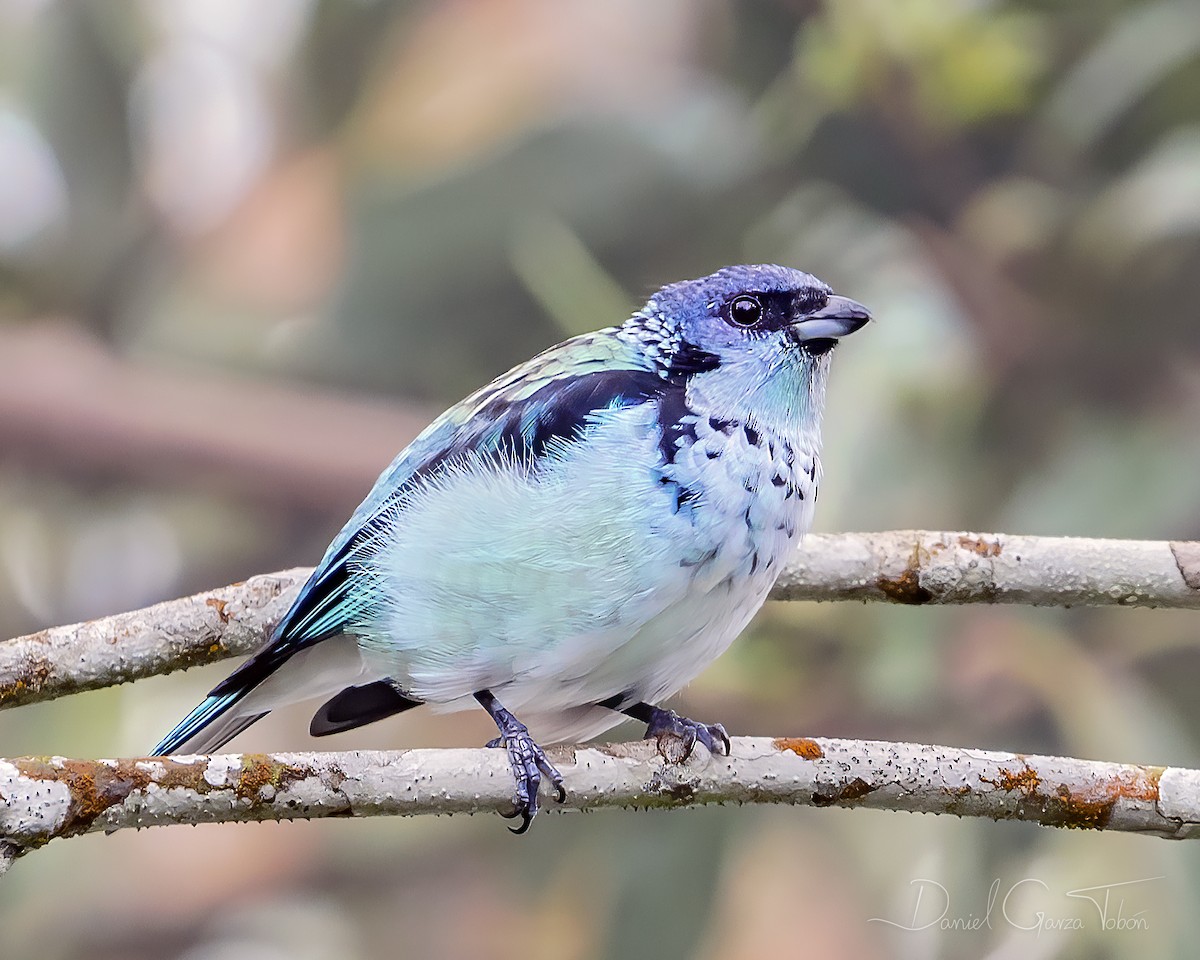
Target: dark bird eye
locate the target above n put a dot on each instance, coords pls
(745, 311)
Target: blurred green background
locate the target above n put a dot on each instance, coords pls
(247, 248)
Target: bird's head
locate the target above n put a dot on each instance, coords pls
(753, 340)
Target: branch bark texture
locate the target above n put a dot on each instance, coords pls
(166, 637)
(905, 566)
(920, 566)
(48, 798)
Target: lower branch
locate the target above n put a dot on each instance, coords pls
(47, 798)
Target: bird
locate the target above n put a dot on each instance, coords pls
(576, 541)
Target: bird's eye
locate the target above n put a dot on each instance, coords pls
(745, 312)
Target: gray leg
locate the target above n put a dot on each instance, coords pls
(667, 724)
(528, 760)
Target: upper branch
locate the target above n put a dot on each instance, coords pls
(168, 636)
(903, 566)
(919, 566)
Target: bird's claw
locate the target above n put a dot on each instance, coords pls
(529, 765)
(666, 726)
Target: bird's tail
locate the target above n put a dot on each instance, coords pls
(275, 676)
(207, 728)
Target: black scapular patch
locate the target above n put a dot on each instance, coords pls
(561, 410)
(358, 706)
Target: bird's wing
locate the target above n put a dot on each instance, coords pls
(552, 397)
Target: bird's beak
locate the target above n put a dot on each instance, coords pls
(840, 317)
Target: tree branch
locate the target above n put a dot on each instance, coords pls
(48, 798)
(161, 639)
(904, 566)
(919, 566)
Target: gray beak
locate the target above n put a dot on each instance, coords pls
(840, 317)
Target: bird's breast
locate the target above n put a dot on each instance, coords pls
(750, 493)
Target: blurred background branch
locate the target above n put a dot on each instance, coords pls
(65, 400)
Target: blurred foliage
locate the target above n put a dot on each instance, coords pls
(405, 199)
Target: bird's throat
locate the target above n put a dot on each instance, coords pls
(785, 400)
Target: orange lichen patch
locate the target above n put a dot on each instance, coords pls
(189, 776)
(856, 789)
(985, 548)
(219, 605)
(1079, 812)
(199, 652)
(1140, 783)
(94, 787)
(30, 677)
(1027, 781)
(801, 746)
(260, 771)
(906, 588)
(1086, 807)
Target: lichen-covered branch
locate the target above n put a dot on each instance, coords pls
(169, 636)
(905, 566)
(47, 798)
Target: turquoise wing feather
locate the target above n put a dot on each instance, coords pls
(518, 414)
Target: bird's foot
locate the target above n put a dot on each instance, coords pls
(677, 736)
(529, 764)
